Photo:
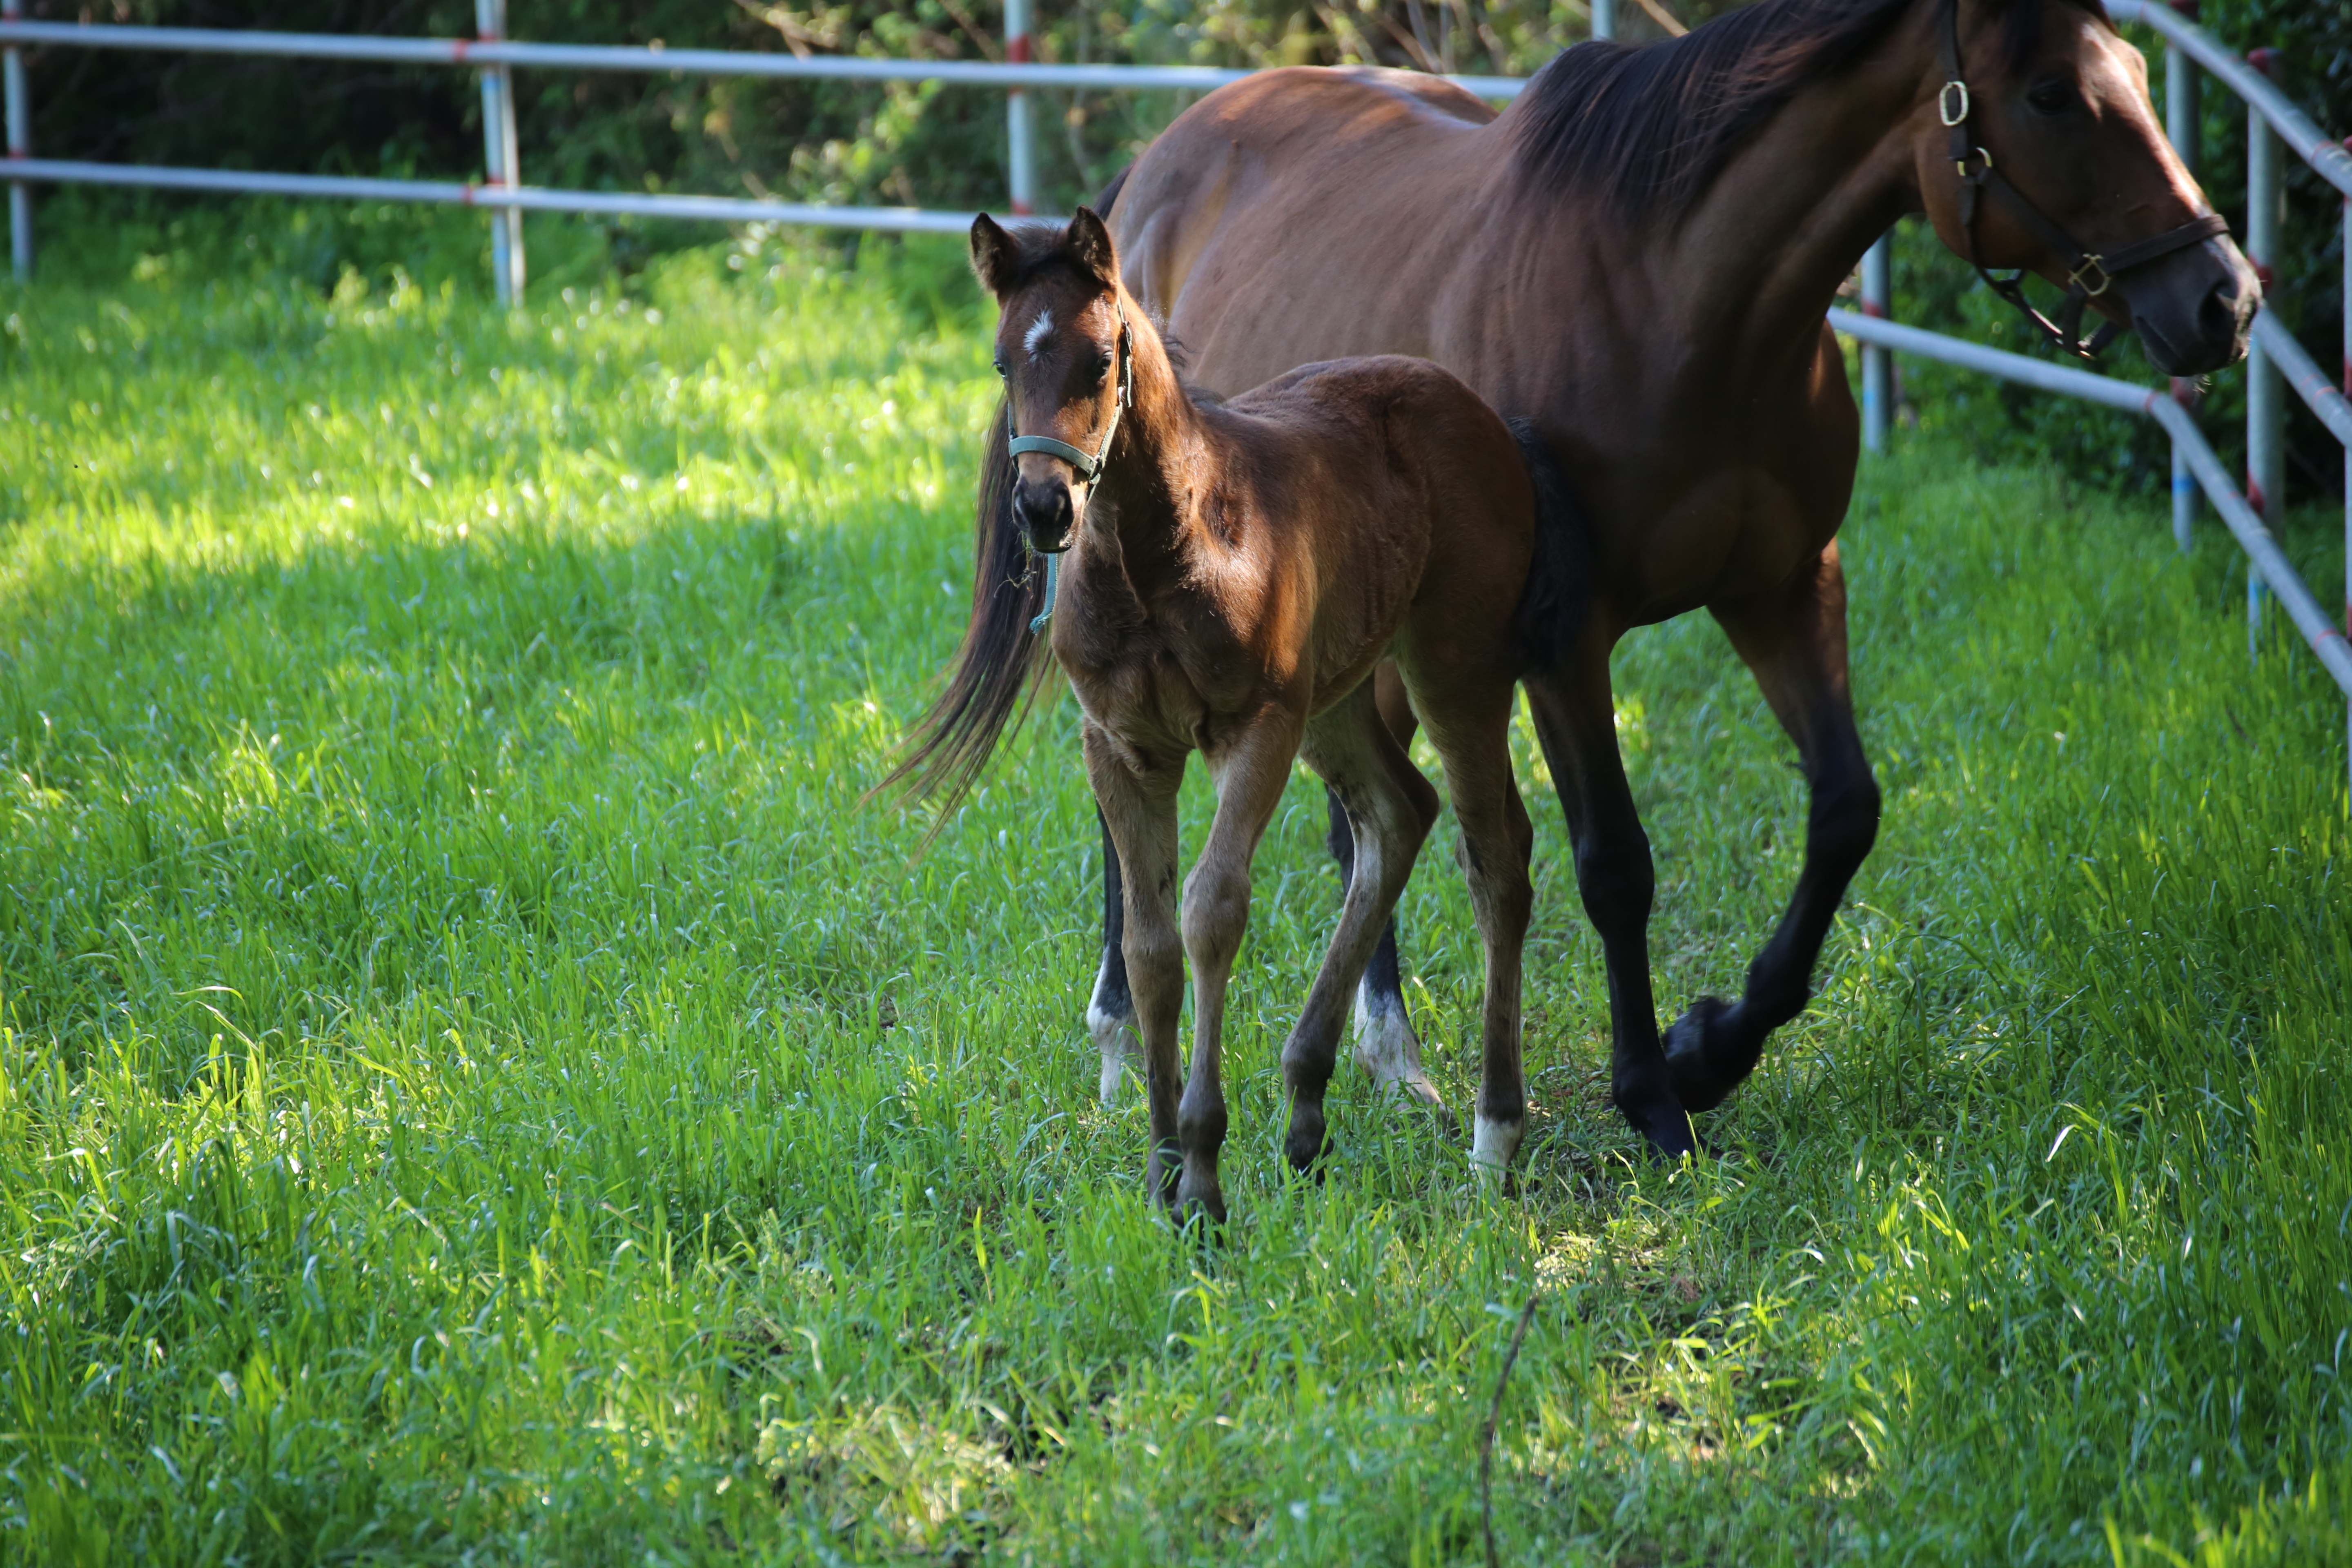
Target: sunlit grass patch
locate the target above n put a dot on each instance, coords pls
(475, 1080)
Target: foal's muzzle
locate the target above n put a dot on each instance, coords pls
(1044, 511)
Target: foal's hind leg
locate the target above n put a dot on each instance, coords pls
(1390, 807)
(1794, 640)
(1469, 725)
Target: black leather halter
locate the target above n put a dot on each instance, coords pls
(2088, 274)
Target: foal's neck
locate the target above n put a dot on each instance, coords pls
(1140, 509)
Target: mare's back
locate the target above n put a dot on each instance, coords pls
(1305, 215)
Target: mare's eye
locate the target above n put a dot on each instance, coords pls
(1000, 364)
(2051, 97)
(1102, 367)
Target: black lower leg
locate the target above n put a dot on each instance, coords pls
(1383, 986)
(1112, 1000)
(1714, 1045)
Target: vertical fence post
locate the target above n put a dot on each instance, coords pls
(20, 145)
(1604, 18)
(1021, 143)
(2265, 390)
(1878, 294)
(2181, 125)
(501, 156)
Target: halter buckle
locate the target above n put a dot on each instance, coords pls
(1943, 102)
(1961, 165)
(2080, 276)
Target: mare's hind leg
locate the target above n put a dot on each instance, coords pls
(1469, 725)
(1575, 720)
(1385, 1047)
(1138, 801)
(1110, 1011)
(1793, 638)
(1390, 807)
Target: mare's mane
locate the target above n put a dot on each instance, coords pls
(1649, 126)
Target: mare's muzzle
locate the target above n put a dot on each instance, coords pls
(2194, 308)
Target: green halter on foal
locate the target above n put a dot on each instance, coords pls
(1089, 466)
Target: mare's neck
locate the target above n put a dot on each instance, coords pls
(1743, 280)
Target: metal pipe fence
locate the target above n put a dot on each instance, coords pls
(495, 56)
(2276, 362)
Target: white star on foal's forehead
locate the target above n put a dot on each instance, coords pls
(1038, 330)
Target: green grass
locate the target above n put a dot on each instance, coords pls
(477, 1087)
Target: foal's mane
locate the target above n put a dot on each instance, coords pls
(1649, 126)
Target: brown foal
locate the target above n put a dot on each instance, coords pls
(1634, 257)
(1228, 576)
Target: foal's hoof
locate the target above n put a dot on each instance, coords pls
(1696, 1048)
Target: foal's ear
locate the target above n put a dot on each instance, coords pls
(1089, 242)
(993, 254)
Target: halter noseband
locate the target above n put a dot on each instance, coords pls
(2088, 274)
(1089, 465)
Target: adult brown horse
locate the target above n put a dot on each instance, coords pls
(1636, 257)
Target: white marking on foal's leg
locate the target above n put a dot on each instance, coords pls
(1493, 1144)
(1039, 330)
(1386, 1048)
(1114, 1032)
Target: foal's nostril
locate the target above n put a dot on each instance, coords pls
(1042, 512)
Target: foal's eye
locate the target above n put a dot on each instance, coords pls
(1000, 364)
(2051, 97)
(1102, 367)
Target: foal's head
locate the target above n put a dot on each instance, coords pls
(1066, 352)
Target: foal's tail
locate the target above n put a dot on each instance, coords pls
(1549, 620)
(991, 684)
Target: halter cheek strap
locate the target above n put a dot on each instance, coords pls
(1089, 465)
(2088, 274)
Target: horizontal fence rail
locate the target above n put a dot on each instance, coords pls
(473, 52)
(2277, 361)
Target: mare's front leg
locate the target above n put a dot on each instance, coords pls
(1386, 1046)
(1390, 807)
(1136, 797)
(1576, 722)
(1249, 767)
(1793, 638)
(1110, 1010)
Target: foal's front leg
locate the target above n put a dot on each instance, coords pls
(1250, 769)
(1138, 801)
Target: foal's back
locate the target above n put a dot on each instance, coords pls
(1385, 493)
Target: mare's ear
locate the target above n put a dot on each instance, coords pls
(993, 254)
(1089, 242)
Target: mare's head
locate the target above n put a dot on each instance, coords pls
(2059, 104)
(1062, 344)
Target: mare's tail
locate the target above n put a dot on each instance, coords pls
(1549, 620)
(989, 687)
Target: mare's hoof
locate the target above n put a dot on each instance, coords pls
(1307, 1148)
(1200, 1212)
(1694, 1048)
